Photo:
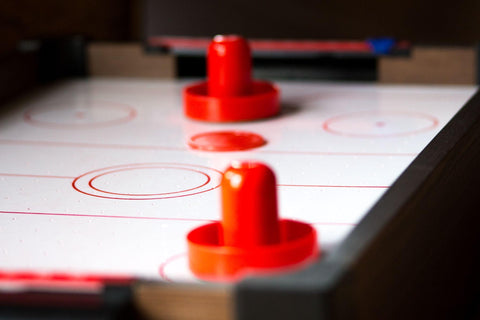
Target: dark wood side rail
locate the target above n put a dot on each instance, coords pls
(415, 255)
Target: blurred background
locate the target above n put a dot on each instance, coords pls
(43, 41)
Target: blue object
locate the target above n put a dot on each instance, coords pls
(381, 45)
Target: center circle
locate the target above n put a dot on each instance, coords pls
(147, 178)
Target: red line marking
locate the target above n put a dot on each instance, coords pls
(86, 145)
(145, 218)
(330, 186)
(120, 146)
(101, 216)
(280, 185)
(34, 176)
(320, 153)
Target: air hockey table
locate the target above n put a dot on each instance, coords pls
(99, 188)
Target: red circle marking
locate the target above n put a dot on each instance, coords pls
(163, 265)
(90, 183)
(129, 114)
(327, 125)
(75, 182)
(226, 141)
(80, 114)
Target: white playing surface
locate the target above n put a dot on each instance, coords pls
(96, 175)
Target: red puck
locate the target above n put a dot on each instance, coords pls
(226, 141)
